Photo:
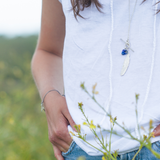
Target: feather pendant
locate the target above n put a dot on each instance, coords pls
(125, 65)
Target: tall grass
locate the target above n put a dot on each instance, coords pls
(23, 127)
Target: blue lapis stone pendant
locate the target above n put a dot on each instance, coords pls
(124, 51)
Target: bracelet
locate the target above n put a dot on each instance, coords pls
(42, 106)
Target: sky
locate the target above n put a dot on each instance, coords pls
(20, 17)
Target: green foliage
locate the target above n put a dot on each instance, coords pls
(23, 127)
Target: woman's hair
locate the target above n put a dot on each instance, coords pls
(80, 5)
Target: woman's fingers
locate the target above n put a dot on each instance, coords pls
(57, 141)
(57, 153)
(157, 131)
(59, 133)
(69, 118)
(61, 145)
(64, 136)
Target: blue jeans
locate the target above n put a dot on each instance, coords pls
(75, 151)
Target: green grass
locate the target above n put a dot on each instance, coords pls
(23, 127)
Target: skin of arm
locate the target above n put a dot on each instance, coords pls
(47, 72)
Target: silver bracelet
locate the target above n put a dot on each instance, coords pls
(42, 106)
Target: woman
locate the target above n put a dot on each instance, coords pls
(86, 41)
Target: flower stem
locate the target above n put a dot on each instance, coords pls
(137, 152)
(110, 139)
(92, 146)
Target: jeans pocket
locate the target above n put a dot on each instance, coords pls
(157, 143)
(156, 146)
(72, 145)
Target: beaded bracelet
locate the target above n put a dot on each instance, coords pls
(42, 106)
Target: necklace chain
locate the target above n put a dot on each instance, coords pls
(130, 18)
(127, 43)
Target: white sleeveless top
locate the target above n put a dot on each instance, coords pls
(92, 54)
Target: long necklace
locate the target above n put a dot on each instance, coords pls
(127, 44)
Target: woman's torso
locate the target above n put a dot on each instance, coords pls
(92, 54)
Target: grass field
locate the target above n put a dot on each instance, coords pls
(23, 127)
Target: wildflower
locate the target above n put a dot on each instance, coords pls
(96, 92)
(142, 128)
(115, 119)
(103, 158)
(91, 125)
(94, 86)
(85, 123)
(137, 96)
(152, 134)
(115, 154)
(80, 105)
(82, 85)
(72, 133)
(105, 155)
(144, 136)
(150, 122)
(111, 120)
(78, 127)
(93, 89)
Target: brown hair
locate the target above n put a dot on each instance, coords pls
(80, 5)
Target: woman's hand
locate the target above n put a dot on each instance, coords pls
(157, 131)
(58, 119)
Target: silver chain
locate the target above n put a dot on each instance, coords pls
(130, 18)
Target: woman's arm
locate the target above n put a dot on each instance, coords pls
(48, 74)
(47, 60)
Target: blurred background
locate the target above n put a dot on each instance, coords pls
(23, 127)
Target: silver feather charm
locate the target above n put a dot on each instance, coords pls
(125, 65)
